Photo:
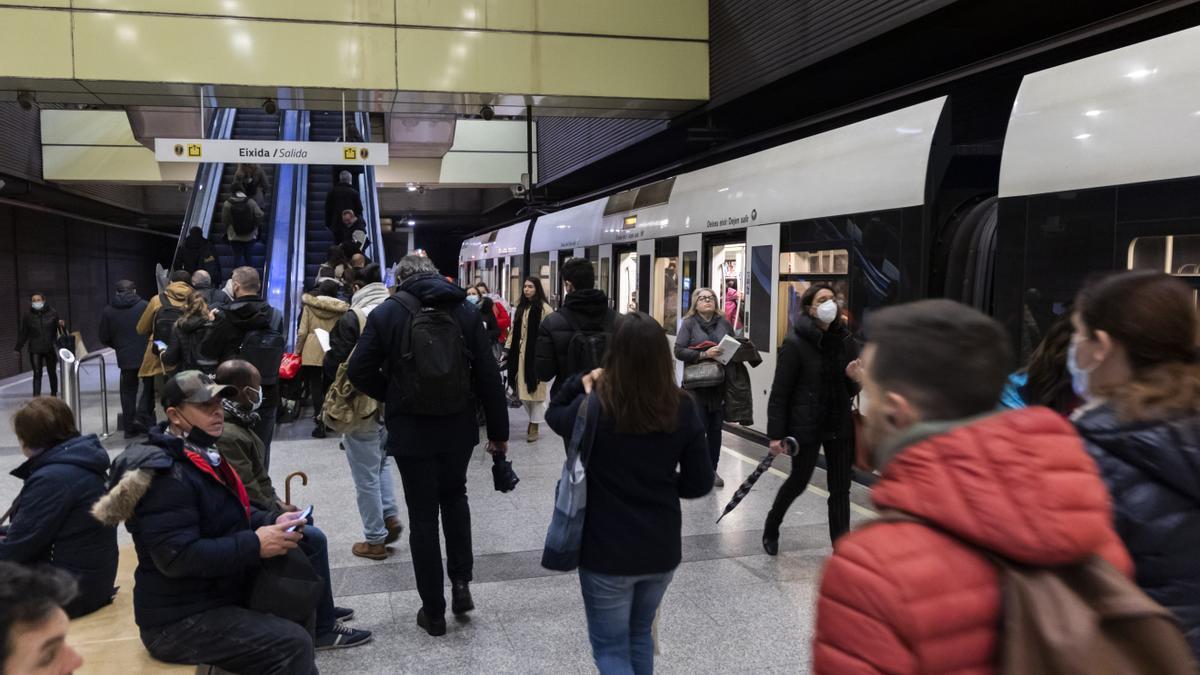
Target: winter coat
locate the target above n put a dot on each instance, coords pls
(590, 311)
(183, 349)
(225, 335)
(38, 330)
(345, 332)
(256, 185)
(192, 526)
(807, 365)
(177, 294)
(503, 320)
(340, 198)
(518, 362)
(52, 521)
(319, 312)
(227, 219)
(215, 298)
(909, 598)
(244, 451)
(1152, 470)
(692, 332)
(195, 253)
(739, 392)
(118, 329)
(379, 350)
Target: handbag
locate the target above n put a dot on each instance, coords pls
(289, 366)
(702, 374)
(564, 538)
(286, 586)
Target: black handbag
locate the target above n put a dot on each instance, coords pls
(702, 374)
(286, 586)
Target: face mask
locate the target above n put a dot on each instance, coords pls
(37, 305)
(827, 311)
(473, 299)
(256, 400)
(200, 438)
(1079, 376)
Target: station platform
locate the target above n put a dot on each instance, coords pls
(730, 608)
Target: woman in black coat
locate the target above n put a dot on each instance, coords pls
(705, 323)
(183, 348)
(1133, 355)
(816, 377)
(39, 328)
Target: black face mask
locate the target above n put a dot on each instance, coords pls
(199, 437)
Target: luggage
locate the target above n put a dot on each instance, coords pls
(165, 318)
(586, 348)
(243, 217)
(264, 348)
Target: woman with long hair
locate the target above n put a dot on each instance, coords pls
(1134, 358)
(183, 346)
(322, 310)
(1045, 381)
(705, 323)
(521, 346)
(503, 320)
(648, 452)
(816, 377)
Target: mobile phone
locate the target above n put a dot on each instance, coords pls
(160, 345)
(302, 519)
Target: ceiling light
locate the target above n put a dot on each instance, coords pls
(1140, 73)
(908, 130)
(1094, 113)
(1083, 137)
(411, 222)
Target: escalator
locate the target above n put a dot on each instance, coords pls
(323, 126)
(248, 124)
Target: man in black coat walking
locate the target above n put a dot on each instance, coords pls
(343, 197)
(195, 254)
(118, 330)
(584, 310)
(432, 450)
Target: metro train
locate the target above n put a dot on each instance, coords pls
(1099, 170)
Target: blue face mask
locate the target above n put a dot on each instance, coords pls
(1079, 376)
(473, 299)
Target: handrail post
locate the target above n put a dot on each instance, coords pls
(69, 372)
(104, 398)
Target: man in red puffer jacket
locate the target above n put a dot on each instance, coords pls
(907, 598)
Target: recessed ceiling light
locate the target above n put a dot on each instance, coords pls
(1083, 137)
(1094, 113)
(1140, 73)
(412, 222)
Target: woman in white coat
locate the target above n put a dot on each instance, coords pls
(521, 345)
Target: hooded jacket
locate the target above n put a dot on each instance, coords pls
(118, 329)
(244, 452)
(379, 350)
(177, 294)
(38, 330)
(195, 253)
(589, 309)
(52, 521)
(345, 332)
(224, 339)
(907, 598)
(183, 349)
(1152, 470)
(192, 526)
(319, 312)
(256, 215)
(810, 362)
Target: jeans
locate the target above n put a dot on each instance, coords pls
(146, 414)
(839, 458)
(376, 492)
(49, 363)
(265, 430)
(129, 394)
(433, 484)
(241, 252)
(235, 639)
(620, 613)
(713, 428)
(316, 546)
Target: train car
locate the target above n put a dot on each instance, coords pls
(496, 259)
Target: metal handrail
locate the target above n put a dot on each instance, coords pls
(68, 366)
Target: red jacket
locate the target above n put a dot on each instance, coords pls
(503, 320)
(905, 598)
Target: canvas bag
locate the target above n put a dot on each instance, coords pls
(347, 409)
(564, 538)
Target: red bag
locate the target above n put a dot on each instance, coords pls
(289, 367)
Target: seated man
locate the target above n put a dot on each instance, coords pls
(33, 625)
(51, 517)
(243, 450)
(199, 542)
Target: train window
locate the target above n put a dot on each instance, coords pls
(760, 297)
(836, 261)
(800, 269)
(665, 305)
(728, 280)
(555, 292)
(1178, 255)
(539, 266)
(627, 282)
(515, 281)
(602, 277)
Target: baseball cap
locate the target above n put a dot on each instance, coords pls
(193, 386)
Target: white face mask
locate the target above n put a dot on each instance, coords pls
(827, 311)
(256, 399)
(37, 305)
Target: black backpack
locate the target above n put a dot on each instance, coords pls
(243, 217)
(264, 348)
(165, 318)
(585, 349)
(434, 376)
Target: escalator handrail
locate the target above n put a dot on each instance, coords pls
(279, 265)
(370, 195)
(202, 201)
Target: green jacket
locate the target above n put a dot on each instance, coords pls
(244, 452)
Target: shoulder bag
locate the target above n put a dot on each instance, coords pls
(564, 539)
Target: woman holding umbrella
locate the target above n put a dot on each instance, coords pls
(816, 377)
(647, 427)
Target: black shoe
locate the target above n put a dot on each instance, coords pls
(343, 614)
(342, 636)
(460, 597)
(771, 545)
(435, 627)
(318, 431)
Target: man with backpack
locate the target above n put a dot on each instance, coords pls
(425, 353)
(241, 217)
(573, 339)
(252, 330)
(158, 322)
(983, 515)
(342, 197)
(357, 417)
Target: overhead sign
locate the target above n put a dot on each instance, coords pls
(269, 152)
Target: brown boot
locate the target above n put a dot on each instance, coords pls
(531, 433)
(394, 528)
(372, 551)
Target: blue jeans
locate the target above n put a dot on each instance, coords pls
(316, 546)
(371, 468)
(620, 612)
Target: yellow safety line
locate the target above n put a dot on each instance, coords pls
(862, 511)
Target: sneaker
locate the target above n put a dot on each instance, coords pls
(343, 614)
(394, 528)
(342, 636)
(461, 601)
(435, 627)
(372, 551)
(718, 481)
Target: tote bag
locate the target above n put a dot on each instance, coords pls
(565, 536)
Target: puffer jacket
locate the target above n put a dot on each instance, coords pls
(38, 330)
(589, 310)
(799, 404)
(906, 598)
(183, 349)
(1152, 470)
(177, 294)
(118, 329)
(52, 521)
(319, 312)
(345, 332)
(224, 338)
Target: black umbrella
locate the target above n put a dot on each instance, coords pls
(744, 488)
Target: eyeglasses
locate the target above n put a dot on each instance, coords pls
(702, 298)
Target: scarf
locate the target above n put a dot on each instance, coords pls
(534, 321)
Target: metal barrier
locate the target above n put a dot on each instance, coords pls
(68, 375)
